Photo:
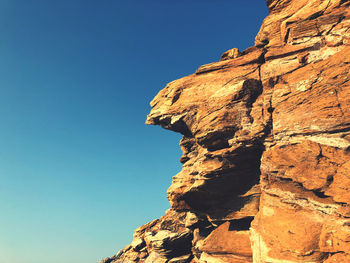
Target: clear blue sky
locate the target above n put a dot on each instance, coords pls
(79, 170)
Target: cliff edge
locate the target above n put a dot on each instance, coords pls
(266, 148)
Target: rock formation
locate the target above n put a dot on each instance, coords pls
(266, 148)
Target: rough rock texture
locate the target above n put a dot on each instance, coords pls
(266, 148)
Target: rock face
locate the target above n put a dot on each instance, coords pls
(266, 148)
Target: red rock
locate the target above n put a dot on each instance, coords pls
(284, 230)
(266, 140)
(230, 54)
(336, 258)
(224, 240)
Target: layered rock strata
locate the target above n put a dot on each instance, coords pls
(266, 148)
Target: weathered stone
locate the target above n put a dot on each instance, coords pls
(339, 257)
(226, 240)
(182, 259)
(169, 244)
(208, 258)
(191, 220)
(230, 54)
(155, 257)
(297, 236)
(137, 244)
(266, 148)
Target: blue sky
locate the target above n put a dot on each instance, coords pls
(79, 170)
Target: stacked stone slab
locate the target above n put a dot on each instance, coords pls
(266, 148)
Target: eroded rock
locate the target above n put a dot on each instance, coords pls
(266, 148)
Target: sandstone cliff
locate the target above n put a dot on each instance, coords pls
(266, 148)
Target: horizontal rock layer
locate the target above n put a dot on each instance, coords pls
(266, 148)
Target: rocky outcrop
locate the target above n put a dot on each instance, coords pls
(266, 148)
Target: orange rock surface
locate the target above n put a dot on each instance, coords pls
(266, 148)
